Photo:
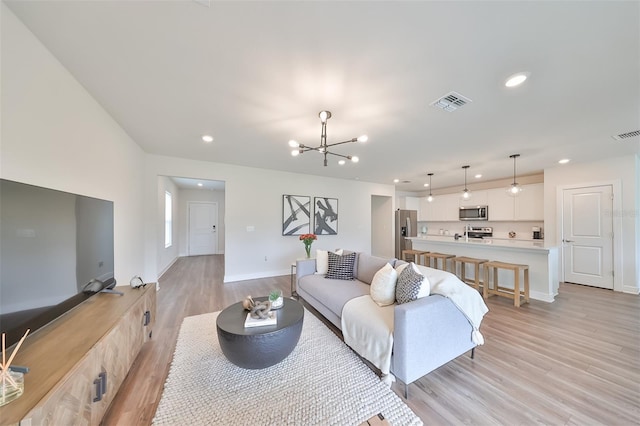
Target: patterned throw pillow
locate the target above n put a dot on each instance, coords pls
(408, 285)
(341, 267)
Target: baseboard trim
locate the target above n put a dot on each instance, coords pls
(256, 275)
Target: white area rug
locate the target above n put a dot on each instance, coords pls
(322, 382)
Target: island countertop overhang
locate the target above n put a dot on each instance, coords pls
(486, 243)
(542, 261)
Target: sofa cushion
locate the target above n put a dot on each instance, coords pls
(368, 266)
(341, 267)
(322, 261)
(411, 285)
(383, 286)
(333, 294)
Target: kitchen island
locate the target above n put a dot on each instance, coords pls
(542, 261)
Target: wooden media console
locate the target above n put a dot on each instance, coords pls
(78, 362)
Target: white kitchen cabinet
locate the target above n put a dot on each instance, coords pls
(501, 205)
(412, 203)
(478, 198)
(443, 208)
(529, 204)
(424, 212)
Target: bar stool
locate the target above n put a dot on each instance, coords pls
(503, 291)
(415, 255)
(429, 257)
(475, 282)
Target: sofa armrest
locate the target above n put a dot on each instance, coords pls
(305, 267)
(428, 333)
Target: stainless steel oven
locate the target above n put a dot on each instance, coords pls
(474, 213)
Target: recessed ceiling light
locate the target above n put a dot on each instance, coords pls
(396, 180)
(564, 161)
(478, 176)
(199, 183)
(517, 79)
(425, 185)
(207, 138)
(341, 162)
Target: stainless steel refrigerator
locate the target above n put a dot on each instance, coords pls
(406, 226)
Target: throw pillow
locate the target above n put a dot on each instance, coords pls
(341, 267)
(400, 266)
(383, 286)
(322, 261)
(409, 285)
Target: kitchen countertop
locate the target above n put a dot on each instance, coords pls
(537, 245)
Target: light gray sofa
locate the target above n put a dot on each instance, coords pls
(428, 332)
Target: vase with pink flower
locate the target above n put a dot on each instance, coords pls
(308, 239)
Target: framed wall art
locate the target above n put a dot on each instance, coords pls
(296, 215)
(325, 213)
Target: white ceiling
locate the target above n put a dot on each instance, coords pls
(256, 74)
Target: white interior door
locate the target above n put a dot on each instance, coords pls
(588, 236)
(203, 228)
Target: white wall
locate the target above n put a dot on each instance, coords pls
(191, 195)
(382, 229)
(54, 134)
(623, 173)
(167, 255)
(254, 198)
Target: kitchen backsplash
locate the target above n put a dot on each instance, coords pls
(523, 230)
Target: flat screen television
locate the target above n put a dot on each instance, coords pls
(56, 251)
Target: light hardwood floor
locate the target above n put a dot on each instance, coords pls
(572, 362)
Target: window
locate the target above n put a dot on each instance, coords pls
(168, 225)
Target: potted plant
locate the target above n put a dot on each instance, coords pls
(275, 297)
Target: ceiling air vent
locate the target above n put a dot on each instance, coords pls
(623, 136)
(451, 102)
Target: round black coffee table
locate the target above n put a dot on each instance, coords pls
(259, 347)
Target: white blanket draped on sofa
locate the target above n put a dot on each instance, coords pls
(368, 328)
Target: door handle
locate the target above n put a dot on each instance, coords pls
(568, 241)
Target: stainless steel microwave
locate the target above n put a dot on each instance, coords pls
(474, 213)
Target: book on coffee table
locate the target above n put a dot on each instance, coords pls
(272, 319)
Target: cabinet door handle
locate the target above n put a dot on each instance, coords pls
(103, 380)
(147, 318)
(98, 384)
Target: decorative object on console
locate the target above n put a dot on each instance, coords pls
(324, 146)
(514, 189)
(11, 382)
(466, 194)
(275, 297)
(137, 282)
(296, 215)
(326, 215)
(308, 239)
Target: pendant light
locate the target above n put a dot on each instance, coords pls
(514, 189)
(466, 194)
(430, 197)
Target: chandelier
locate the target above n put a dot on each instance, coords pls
(514, 189)
(466, 194)
(324, 146)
